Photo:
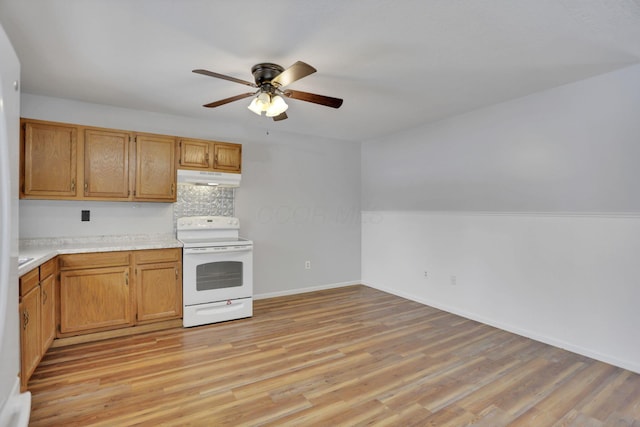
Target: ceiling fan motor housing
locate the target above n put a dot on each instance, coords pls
(265, 72)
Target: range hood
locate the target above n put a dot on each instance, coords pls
(220, 179)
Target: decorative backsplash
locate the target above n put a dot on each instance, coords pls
(196, 200)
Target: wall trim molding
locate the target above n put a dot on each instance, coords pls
(625, 364)
(307, 289)
(630, 215)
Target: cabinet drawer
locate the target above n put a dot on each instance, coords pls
(92, 260)
(158, 255)
(29, 281)
(48, 268)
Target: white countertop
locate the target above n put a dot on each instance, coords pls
(42, 250)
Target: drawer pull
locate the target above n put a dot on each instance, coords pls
(44, 297)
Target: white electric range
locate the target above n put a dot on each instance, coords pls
(217, 265)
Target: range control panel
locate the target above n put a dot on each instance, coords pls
(208, 223)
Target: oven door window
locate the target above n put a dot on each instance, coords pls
(218, 275)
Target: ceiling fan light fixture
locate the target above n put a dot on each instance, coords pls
(264, 99)
(255, 107)
(260, 103)
(277, 106)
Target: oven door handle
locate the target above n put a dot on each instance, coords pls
(217, 249)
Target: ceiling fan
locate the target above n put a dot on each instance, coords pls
(270, 80)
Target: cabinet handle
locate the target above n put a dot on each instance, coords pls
(126, 278)
(73, 184)
(173, 188)
(44, 297)
(86, 186)
(25, 319)
(176, 273)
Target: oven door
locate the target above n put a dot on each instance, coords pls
(217, 274)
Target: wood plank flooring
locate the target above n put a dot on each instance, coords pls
(347, 356)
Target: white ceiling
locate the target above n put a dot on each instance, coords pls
(396, 64)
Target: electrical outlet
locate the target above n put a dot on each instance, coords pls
(454, 280)
(426, 275)
(307, 265)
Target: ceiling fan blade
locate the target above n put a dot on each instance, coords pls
(280, 116)
(228, 100)
(222, 76)
(293, 73)
(312, 97)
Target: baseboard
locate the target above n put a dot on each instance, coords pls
(115, 333)
(303, 290)
(625, 364)
(16, 409)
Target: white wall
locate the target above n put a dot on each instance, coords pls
(573, 148)
(299, 201)
(293, 188)
(554, 255)
(57, 218)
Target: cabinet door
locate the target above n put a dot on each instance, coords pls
(106, 164)
(96, 298)
(49, 160)
(47, 312)
(30, 341)
(227, 157)
(159, 291)
(194, 154)
(155, 168)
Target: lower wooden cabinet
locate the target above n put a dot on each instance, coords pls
(158, 284)
(37, 316)
(30, 341)
(95, 293)
(99, 293)
(95, 298)
(48, 311)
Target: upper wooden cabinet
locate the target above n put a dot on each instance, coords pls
(49, 161)
(209, 155)
(106, 164)
(74, 162)
(227, 157)
(194, 154)
(155, 168)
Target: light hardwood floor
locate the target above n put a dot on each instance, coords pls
(346, 356)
